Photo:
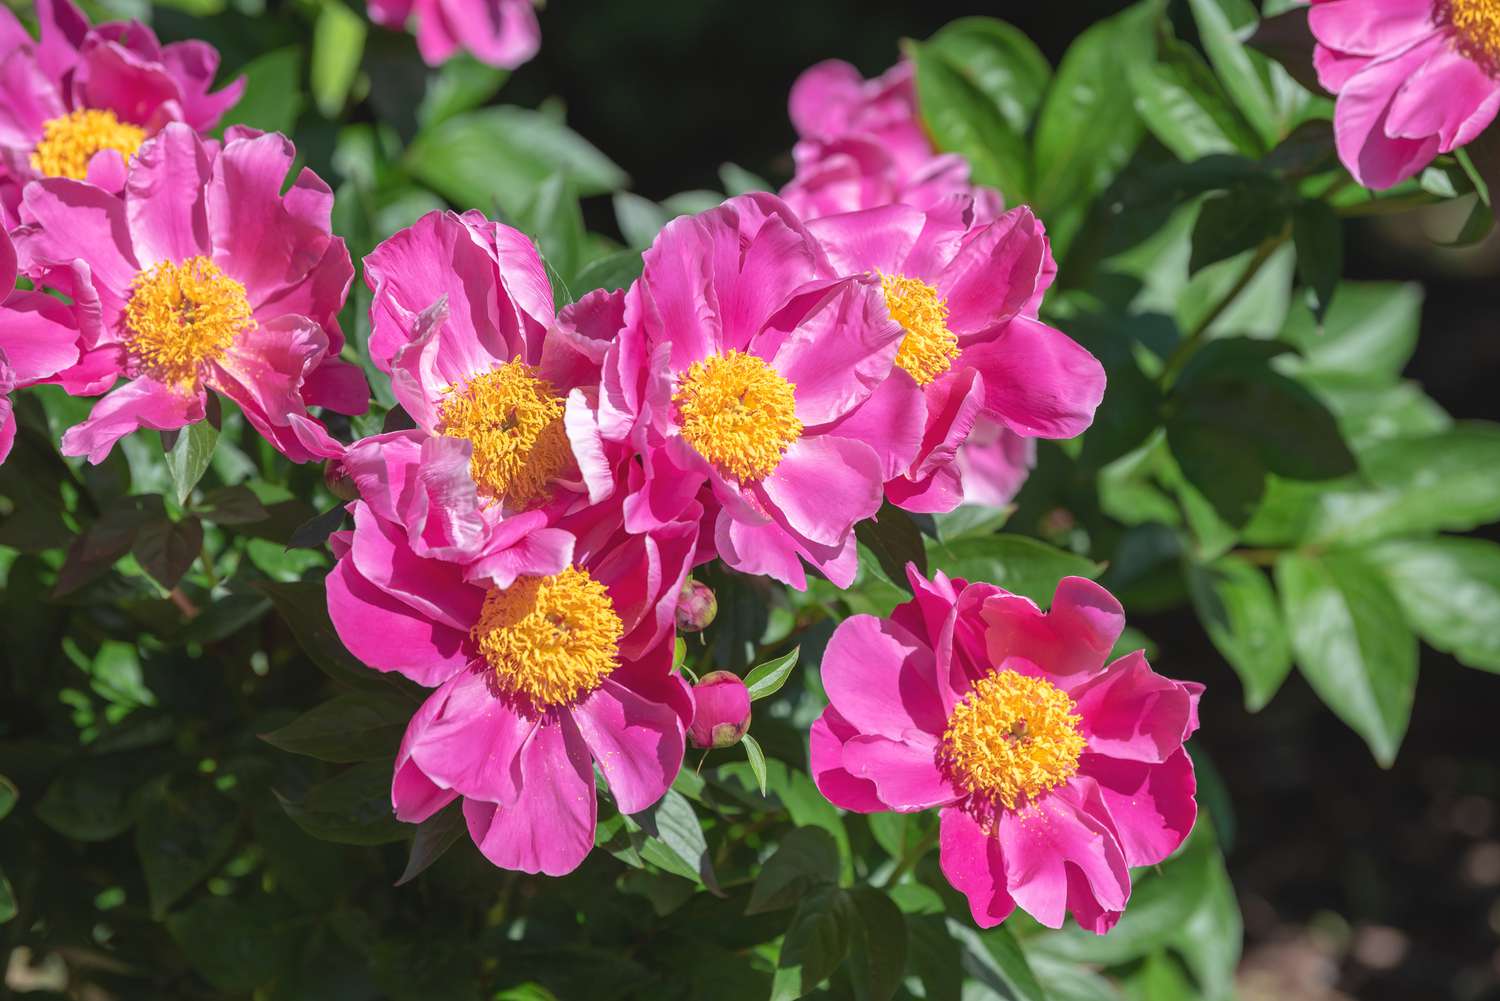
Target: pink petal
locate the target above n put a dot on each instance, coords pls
(37, 335)
(1360, 121)
(637, 743)
(826, 740)
(1070, 643)
(76, 221)
(140, 403)
(1064, 832)
(1152, 805)
(1360, 27)
(389, 635)
(996, 273)
(905, 773)
(1131, 712)
(840, 351)
(264, 371)
(434, 589)
(824, 485)
(164, 197)
(821, 97)
(471, 740)
(882, 679)
(973, 863)
(1451, 97)
(1038, 381)
(891, 421)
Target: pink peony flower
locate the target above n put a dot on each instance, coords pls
(861, 145)
(79, 101)
(502, 33)
(540, 669)
(721, 710)
(966, 294)
(201, 275)
(1413, 78)
(1054, 772)
(501, 389)
(994, 463)
(38, 339)
(747, 365)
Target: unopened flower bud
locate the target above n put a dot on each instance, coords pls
(338, 481)
(696, 606)
(721, 710)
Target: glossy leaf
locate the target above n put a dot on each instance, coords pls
(1238, 609)
(1449, 591)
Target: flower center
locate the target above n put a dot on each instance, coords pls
(1477, 23)
(68, 142)
(514, 419)
(1012, 737)
(929, 347)
(738, 413)
(181, 317)
(553, 639)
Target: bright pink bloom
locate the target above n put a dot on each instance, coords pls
(81, 99)
(966, 294)
(1414, 78)
(542, 667)
(38, 339)
(500, 388)
(994, 463)
(503, 33)
(201, 275)
(861, 145)
(721, 710)
(747, 364)
(1054, 770)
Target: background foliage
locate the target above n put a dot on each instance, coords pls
(196, 773)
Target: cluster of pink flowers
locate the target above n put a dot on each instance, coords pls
(502, 33)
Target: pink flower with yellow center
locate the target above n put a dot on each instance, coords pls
(79, 101)
(541, 670)
(861, 145)
(502, 33)
(1413, 78)
(966, 296)
(746, 378)
(1054, 769)
(200, 276)
(38, 339)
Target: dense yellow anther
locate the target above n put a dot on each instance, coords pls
(552, 639)
(1012, 738)
(738, 413)
(68, 142)
(1478, 25)
(929, 347)
(514, 419)
(183, 316)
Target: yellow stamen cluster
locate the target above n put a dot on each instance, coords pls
(1012, 738)
(68, 142)
(738, 413)
(552, 639)
(514, 419)
(181, 317)
(1477, 23)
(929, 347)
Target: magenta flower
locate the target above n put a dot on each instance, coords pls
(1413, 78)
(501, 389)
(721, 710)
(748, 366)
(502, 33)
(540, 671)
(994, 463)
(1054, 771)
(966, 295)
(201, 275)
(38, 339)
(79, 101)
(861, 145)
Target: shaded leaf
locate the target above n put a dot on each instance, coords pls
(877, 945)
(166, 548)
(807, 858)
(352, 808)
(184, 833)
(816, 942)
(1449, 591)
(893, 537)
(1238, 609)
(434, 837)
(354, 727)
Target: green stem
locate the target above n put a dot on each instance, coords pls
(1195, 338)
(911, 858)
(208, 568)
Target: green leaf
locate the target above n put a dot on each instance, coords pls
(877, 945)
(815, 943)
(500, 156)
(739, 181)
(236, 505)
(1412, 486)
(807, 858)
(1184, 106)
(236, 944)
(894, 539)
(1219, 24)
(1318, 235)
(1017, 563)
(555, 222)
(352, 808)
(757, 759)
(999, 60)
(166, 548)
(8, 906)
(1352, 644)
(354, 727)
(461, 83)
(434, 837)
(338, 45)
(8, 796)
(1238, 609)
(303, 605)
(963, 119)
(639, 219)
(314, 533)
(612, 271)
(994, 958)
(189, 456)
(1449, 591)
(765, 680)
(1212, 937)
(273, 92)
(1244, 218)
(1370, 331)
(88, 801)
(674, 839)
(111, 537)
(184, 833)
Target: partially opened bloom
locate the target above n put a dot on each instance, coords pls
(38, 339)
(502, 33)
(861, 145)
(1054, 770)
(1413, 78)
(966, 295)
(201, 276)
(541, 671)
(79, 91)
(748, 366)
(499, 387)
